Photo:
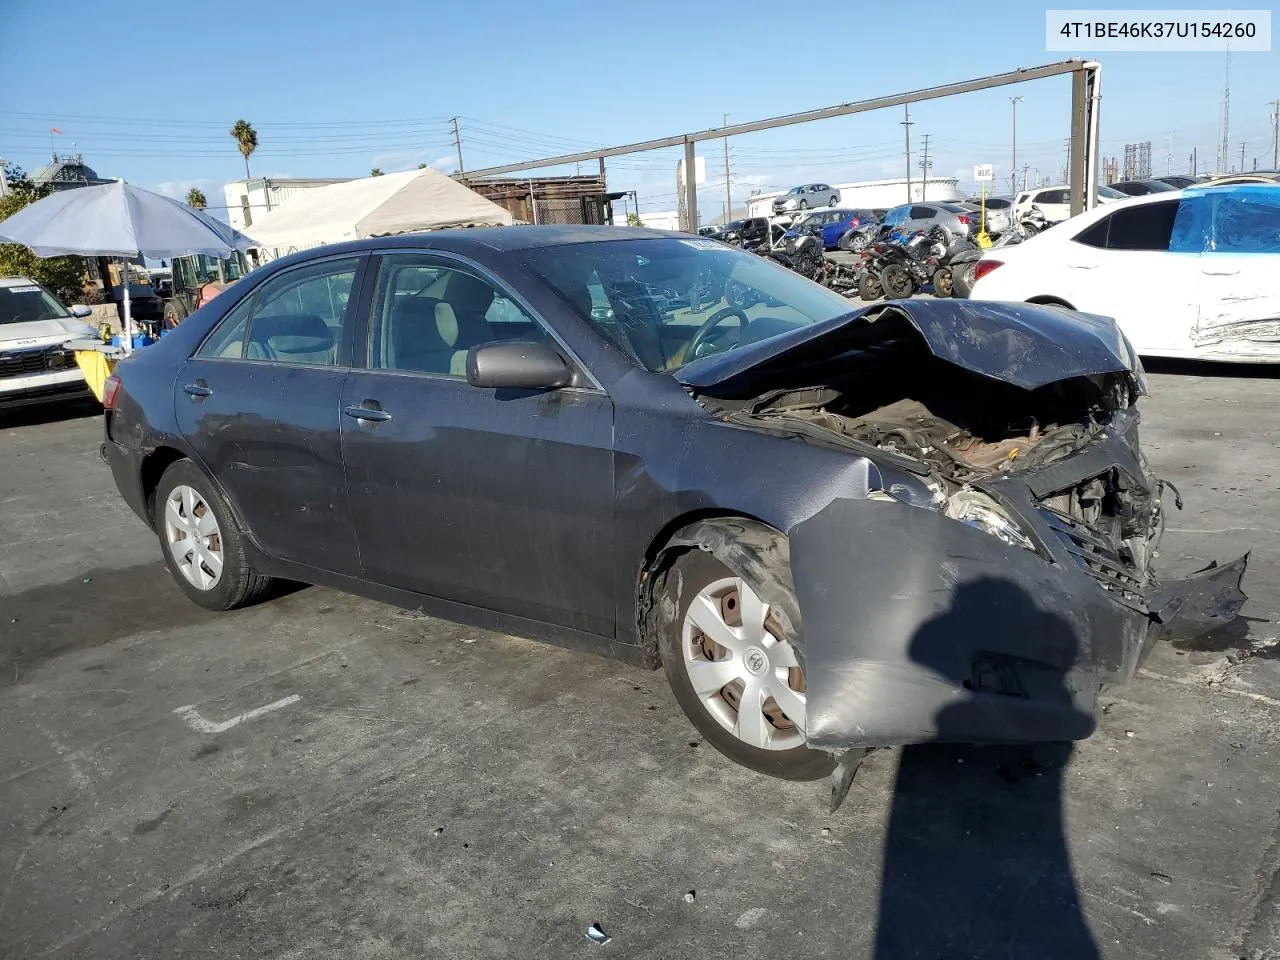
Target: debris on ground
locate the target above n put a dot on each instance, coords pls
(690, 896)
(597, 935)
(1162, 877)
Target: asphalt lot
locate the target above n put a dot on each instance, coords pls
(419, 789)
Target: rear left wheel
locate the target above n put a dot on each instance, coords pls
(734, 670)
(203, 545)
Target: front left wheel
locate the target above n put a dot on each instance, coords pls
(202, 543)
(734, 669)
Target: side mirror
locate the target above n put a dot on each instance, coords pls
(517, 364)
(80, 310)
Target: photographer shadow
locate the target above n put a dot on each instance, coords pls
(976, 863)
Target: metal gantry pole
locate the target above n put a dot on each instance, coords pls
(690, 187)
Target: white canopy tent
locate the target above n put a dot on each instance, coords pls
(381, 206)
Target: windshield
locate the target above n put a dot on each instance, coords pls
(733, 225)
(669, 302)
(28, 303)
(1111, 194)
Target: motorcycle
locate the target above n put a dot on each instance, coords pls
(1033, 221)
(802, 254)
(902, 268)
(964, 265)
(958, 251)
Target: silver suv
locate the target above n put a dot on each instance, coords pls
(953, 219)
(34, 326)
(806, 196)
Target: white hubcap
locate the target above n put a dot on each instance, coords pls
(192, 534)
(747, 678)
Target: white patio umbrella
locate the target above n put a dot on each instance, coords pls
(119, 220)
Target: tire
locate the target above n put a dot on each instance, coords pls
(175, 311)
(897, 283)
(869, 287)
(804, 204)
(962, 280)
(858, 243)
(697, 576)
(194, 498)
(942, 283)
(832, 200)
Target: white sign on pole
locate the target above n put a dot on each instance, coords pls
(699, 170)
(983, 172)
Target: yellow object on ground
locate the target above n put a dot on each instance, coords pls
(96, 367)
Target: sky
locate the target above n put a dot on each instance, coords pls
(335, 89)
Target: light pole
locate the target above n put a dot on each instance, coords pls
(1013, 160)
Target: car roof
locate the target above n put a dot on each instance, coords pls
(17, 282)
(470, 240)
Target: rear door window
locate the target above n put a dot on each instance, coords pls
(923, 213)
(1145, 227)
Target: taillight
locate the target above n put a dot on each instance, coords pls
(984, 267)
(963, 219)
(110, 387)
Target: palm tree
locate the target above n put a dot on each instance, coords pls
(246, 140)
(196, 199)
(375, 172)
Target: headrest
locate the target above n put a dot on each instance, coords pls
(415, 328)
(468, 294)
(289, 334)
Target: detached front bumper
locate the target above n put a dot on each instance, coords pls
(921, 629)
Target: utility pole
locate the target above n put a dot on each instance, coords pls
(906, 129)
(4, 180)
(1242, 156)
(1224, 155)
(925, 166)
(728, 195)
(457, 142)
(1275, 134)
(1168, 151)
(1026, 168)
(1013, 161)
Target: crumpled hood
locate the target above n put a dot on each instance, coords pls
(1023, 344)
(42, 333)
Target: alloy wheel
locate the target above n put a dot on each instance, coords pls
(747, 678)
(191, 533)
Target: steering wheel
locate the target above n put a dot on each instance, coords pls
(703, 332)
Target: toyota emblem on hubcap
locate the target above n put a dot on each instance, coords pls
(756, 661)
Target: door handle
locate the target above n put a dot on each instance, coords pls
(198, 390)
(367, 413)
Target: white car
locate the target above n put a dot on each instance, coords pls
(34, 326)
(1191, 273)
(1055, 202)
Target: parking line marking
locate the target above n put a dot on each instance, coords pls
(201, 725)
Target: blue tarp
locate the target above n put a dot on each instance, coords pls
(1239, 219)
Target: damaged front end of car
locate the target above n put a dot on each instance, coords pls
(999, 570)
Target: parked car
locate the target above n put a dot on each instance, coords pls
(834, 224)
(517, 429)
(1185, 274)
(749, 231)
(999, 210)
(1260, 177)
(34, 326)
(806, 196)
(1055, 202)
(1140, 188)
(1179, 181)
(950, 219)
(709, 231)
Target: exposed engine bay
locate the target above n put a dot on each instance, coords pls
(963, 428)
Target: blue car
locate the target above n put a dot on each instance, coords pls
(834, 223)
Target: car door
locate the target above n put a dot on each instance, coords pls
(500, 499)
(1055, 204)
(1235, 236)
(1121, 267)
(259, 404)
(921, 218)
